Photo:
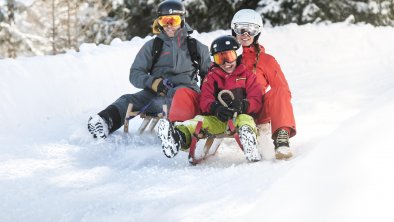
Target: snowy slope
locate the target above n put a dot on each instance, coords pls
(341, 79)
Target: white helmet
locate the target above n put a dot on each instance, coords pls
(247, 16)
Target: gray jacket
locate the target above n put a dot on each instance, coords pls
(173, 64)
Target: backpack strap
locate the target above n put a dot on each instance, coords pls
(195, 57)
(191, 46)
(156, 51)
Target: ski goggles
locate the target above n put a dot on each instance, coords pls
(227, 56)
(166, 20)
(249, 28)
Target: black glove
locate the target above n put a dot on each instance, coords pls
(160, 86)
(224, 113)
(240, 106)
(227, 99)
(162, 89)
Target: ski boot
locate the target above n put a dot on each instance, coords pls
(248, 140)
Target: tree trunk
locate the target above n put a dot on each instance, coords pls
(54, 52)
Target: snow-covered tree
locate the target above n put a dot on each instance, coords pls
(207, 15)
(14, 39)
(53, 26)
(279, 12)
(98, 22)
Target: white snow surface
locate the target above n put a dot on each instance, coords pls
(341, 78)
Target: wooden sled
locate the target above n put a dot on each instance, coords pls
(200, 150)
(205, 145)
(148, 122)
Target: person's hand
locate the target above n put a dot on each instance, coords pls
(226, 99)
(159, 87)
(240, 106)
(224, 113)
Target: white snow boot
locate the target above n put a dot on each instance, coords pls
(98, 127)
(249, 143)
(171, 139)
(282, 148)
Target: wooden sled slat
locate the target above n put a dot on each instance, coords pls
(148, 123)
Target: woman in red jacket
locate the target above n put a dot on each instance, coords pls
(232, 78)
(246, 25)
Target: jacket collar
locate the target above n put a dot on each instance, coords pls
(248, 50)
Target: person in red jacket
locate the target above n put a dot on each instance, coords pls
(229, 91)
(246, 25)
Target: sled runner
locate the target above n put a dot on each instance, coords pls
(148, 121)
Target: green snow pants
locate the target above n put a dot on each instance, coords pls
(212, 125)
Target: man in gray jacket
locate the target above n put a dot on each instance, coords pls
(170, 80)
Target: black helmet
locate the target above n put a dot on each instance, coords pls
(224, 43)
(171, 7)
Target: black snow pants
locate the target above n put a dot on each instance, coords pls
(145, 100)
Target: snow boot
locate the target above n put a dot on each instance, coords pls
(171, 139)
(98, 127)
(248, 140)
(282, 147)
(105, 122)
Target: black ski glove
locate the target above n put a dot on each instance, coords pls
(224, 113)
(240, 106)
(160, 86)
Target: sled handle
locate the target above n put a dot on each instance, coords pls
(223, 92)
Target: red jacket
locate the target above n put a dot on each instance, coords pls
(268, 71)
(242, 83)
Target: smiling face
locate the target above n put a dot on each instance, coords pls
(245, 39)
(170, 30)
(229, 67)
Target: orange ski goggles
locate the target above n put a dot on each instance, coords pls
(166, 20)
(227, 56)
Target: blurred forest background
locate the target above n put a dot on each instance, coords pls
(42, 27)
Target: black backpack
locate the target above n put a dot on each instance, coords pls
(192, 47)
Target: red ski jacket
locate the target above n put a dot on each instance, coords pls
(242, 83)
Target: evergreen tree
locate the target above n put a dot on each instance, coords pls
(139, 16)
(279, 12)
(101, 22)
(206, 15)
